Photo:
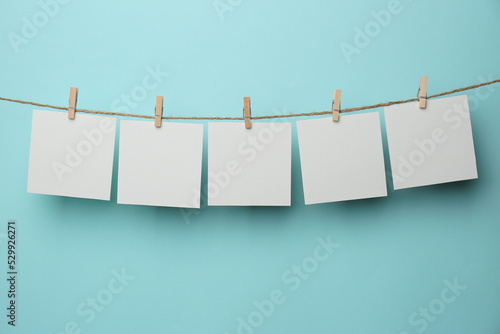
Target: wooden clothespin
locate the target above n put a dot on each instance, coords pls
(336, 105)
(73, 96)
(158, 111)
(247, 113)
(422, 93)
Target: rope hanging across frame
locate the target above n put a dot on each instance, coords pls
(318, 113)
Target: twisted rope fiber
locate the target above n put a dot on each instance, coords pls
(316, 113)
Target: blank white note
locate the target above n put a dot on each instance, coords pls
(249, 167)
(432, 145)
(342, 160)
(160, 166)
(71, 157)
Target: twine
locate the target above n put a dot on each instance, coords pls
(316, 113)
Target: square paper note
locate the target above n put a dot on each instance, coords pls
(342, 160)
(71, 157)
(432, 145)
(249, 167)
(160, 166)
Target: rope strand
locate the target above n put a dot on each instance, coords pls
(316, 113)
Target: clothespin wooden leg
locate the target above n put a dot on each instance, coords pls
(336, 105)
(422, 93)
(247, 113)
(158, 111)
(73, 96)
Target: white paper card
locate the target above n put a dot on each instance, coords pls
(71, 158)
(432, 145)
(342, 160)
(160, 166)
(249, 167)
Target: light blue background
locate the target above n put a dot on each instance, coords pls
(395, 252)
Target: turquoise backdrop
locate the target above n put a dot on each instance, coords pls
(423, 260)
